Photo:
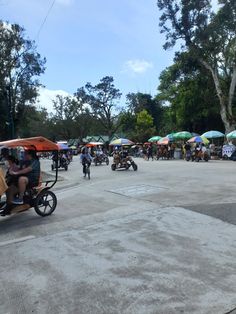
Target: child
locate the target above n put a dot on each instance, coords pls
(12, 165)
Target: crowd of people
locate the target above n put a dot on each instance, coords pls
(180, 150)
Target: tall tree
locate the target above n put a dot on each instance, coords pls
(211, 40)
(144, 126)
(139, 101)
(188, 93)
(20, 65)
(73, 119)
(102, 98)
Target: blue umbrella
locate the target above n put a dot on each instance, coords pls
(213, 134)
(62, 146)
(170, 136)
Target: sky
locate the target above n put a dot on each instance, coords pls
(85, 40)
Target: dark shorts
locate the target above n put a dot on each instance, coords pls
(33, 182)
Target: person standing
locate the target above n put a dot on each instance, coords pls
(150, 152)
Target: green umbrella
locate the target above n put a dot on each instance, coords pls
(231, 135)
(184, 135)
(154, 139)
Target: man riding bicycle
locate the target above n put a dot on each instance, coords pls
(86, 159)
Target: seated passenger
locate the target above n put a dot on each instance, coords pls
(12, 165)
(28, 176)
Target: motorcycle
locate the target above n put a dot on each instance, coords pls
(120, 162)
(99, 159)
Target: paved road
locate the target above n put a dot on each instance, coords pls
(126, 242)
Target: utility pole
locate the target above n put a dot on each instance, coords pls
(10, 113)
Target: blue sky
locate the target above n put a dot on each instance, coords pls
(84, 40)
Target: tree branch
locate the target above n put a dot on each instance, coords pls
(232, 91)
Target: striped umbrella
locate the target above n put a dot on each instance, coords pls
(198, 139)
(121, 141)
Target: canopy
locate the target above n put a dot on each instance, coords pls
(231, 135)
(121, 141)
(184, 135)
(91, 144)
(198, 139)
(154, 139)
(39, 144)
(213, 134)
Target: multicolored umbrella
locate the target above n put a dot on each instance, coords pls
(231, 135)
(154, 139)
(198, 139)
(164, 141)
(213, 134)
(121, 141)
(184, 135)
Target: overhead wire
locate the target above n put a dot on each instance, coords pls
(44, 20)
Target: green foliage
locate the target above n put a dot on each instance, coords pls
(144, 126)
(20, 64)
(127, 122)
(73, 119)
(139, 101)
(209, 39)
(190, 99)
(102, 99)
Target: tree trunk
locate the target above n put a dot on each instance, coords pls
(225, 102)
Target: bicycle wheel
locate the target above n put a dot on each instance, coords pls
(45, 203)
(88, 172)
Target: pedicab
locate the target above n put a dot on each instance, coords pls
(61, 160)
(39, 197)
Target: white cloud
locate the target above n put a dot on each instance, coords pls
(46, 97)
(137, 66)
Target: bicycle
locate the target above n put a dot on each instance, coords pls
(87, 170)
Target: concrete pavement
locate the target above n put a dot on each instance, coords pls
(126, 242)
